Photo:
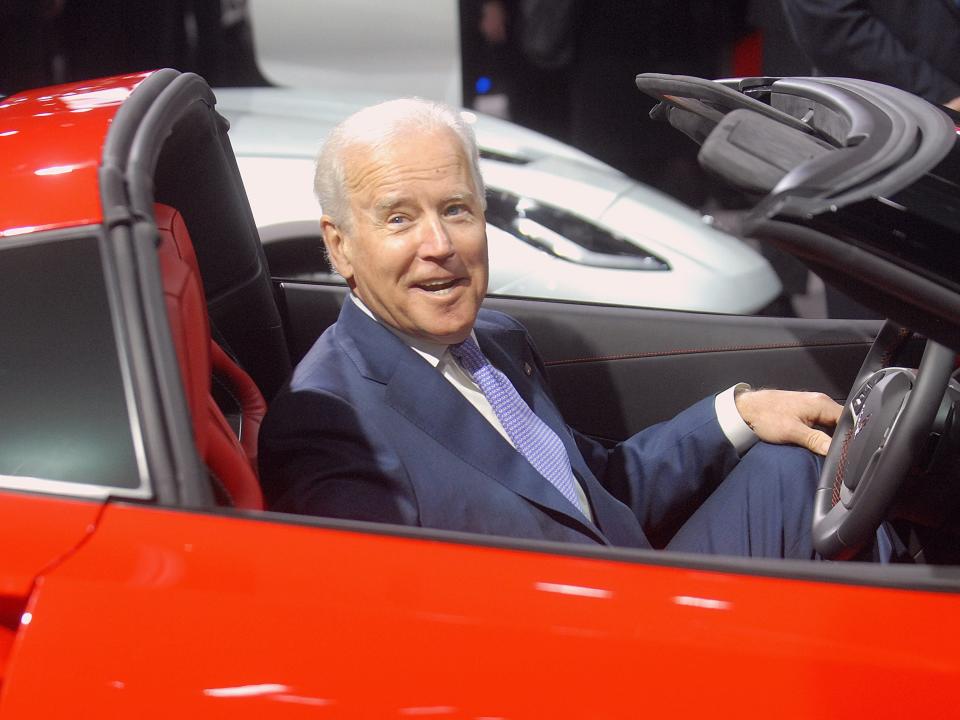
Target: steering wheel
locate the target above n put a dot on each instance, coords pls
(884, 425)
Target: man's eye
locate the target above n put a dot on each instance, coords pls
(454, 210)
(396, 220)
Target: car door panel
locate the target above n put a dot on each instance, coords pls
(616, 370)
(27, 554)
(252, 616)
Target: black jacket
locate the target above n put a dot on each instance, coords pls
(911, 44)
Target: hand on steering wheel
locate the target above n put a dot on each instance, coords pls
(885, 424)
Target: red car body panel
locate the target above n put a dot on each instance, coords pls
(227, 617)
(51, 141)
(35, 532)
(126, 610)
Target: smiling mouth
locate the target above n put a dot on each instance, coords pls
(439, 287)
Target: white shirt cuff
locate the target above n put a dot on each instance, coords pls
(737, 431)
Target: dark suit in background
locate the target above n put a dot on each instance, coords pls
(913, 45)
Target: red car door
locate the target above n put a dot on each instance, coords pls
(170, 613)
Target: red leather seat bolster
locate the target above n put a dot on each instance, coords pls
(190, 328)
(248, 397)
(186, 313)
(228, 462)
(170, 223)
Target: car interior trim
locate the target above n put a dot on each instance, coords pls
(880, 147)
(863, 153)
(923, 304)
(659, 85)
(852, 342)
(914, 143)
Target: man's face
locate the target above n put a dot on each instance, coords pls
(416, 253)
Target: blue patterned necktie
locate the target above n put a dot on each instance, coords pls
(532, 437)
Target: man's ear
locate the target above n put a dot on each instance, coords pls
(336, 242)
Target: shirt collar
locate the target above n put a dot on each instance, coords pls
(432, 352)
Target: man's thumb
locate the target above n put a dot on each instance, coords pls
(818, 442)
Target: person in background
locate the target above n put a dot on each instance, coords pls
(913, 45)
(568, 69)
(501, 78)
(209, 37)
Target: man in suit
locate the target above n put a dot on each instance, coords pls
(417, 407)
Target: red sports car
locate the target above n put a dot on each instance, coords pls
(141, 337)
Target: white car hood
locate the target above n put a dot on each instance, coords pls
(292, 122)
(277, 132)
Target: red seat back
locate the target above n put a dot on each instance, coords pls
(232, 464)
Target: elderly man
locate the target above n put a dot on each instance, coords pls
(418, 407)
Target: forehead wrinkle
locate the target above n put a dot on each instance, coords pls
(390, 182)
(362, 169)
(386, 162)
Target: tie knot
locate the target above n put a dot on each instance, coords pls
(469, 355)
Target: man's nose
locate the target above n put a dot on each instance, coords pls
(435, 241)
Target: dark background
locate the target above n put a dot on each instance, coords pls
(586, 98)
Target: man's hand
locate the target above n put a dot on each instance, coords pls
(782, 416)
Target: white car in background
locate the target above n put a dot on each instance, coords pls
(561, 225)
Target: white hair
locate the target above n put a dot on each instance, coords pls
(377, 126)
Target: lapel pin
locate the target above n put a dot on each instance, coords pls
(527, 369)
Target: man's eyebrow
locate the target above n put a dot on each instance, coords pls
(464, 196)
(388, 203)
(391, 202)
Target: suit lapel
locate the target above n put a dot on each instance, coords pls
(420, 393)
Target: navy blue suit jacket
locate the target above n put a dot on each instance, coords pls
(367, 429)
